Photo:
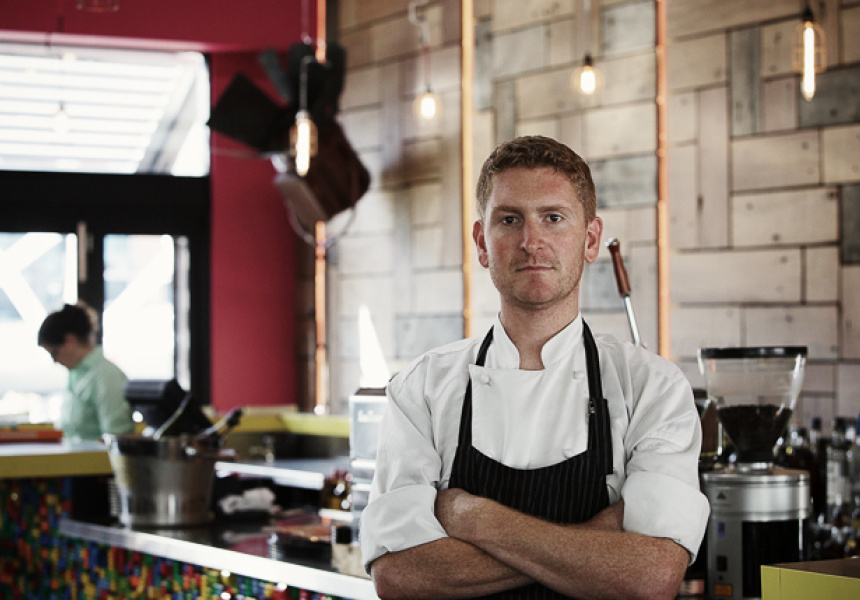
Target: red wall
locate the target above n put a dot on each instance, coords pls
(253, 270)
(253, 247)
(205, 25)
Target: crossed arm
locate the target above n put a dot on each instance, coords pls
(492, 548)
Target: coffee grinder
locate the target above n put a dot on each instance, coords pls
(758, 511)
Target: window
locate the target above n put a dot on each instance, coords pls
(134, 247)
(104, 158)
(34, 274)
(93, 110)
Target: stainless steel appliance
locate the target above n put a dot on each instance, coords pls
(759, 512)
(366, 408)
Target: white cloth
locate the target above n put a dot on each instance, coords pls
(531, 419)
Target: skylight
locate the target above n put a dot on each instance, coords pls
(94, 110)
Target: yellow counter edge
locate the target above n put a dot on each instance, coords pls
(284, 419)
(54, 465)
(18, 461)
(267, 419)
(782, 583)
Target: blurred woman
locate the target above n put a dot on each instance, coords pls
(96, 402)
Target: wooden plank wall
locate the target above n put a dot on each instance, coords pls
(764, 186)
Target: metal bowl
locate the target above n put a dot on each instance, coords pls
(165, 482)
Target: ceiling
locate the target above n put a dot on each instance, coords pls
(94, 110)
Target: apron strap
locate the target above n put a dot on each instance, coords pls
(465, 437)
(598, 407)
(592, 363)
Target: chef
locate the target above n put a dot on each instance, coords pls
(541, 460)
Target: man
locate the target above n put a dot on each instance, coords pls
(537, 463)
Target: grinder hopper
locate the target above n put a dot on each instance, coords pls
(755, 390)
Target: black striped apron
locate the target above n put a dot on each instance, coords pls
(572, 491)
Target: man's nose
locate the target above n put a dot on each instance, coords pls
(533, 236)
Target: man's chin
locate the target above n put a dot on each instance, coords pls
(534, 300)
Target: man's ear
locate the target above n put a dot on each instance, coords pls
(592, 239)
(480, 243)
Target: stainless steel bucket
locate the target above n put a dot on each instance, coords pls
(165, 482)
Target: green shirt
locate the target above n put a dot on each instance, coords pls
(96, 402)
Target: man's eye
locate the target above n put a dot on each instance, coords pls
(555, 218)
(509, 220)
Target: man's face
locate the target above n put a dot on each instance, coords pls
(67, 353)
(534, 239)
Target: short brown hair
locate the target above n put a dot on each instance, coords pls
(531, 152)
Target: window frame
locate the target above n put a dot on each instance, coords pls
(122, 204)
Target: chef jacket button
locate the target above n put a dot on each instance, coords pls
(485, 379)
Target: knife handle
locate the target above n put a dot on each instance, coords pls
(618, 266)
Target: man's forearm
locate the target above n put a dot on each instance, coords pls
(445, 568)
(592, 560)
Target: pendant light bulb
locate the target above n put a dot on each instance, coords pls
(809, 53)
(303, 139)
(808, 85)
(303, 147)
(586, 79)
(427, 106)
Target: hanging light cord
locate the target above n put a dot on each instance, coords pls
(426, 51)
(586, 8)
(417, 18)
(306, 37)
(303, 82)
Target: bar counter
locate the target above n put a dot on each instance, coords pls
(241, 549)
(39, 484)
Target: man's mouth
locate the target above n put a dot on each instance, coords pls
(534, 268)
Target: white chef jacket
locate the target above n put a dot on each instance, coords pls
(532, 419)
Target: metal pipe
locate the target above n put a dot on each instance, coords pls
(319, 319)
(466, 148)
(663, 248)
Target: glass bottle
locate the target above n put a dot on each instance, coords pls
(816, 439)
(797, 454)
(838, 477)
(819, 495)
(852, 548)
(855, 482)
(834, 547)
